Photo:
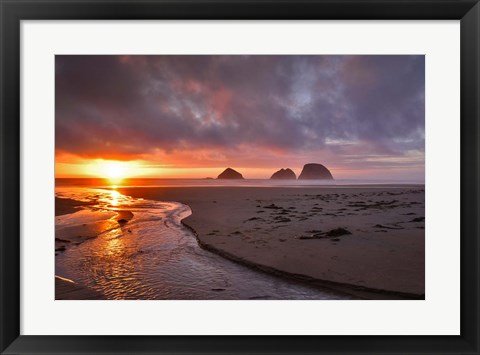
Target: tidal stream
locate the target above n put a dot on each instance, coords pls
(153, 256)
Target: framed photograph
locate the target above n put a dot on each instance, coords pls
(239, 177)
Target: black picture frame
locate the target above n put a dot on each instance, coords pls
(12, 12)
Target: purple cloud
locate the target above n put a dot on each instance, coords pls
(337, 106)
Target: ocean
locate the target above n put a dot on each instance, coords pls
(153, 182)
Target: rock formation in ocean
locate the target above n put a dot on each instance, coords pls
(284, 174)
(315, 172)
(229, 173)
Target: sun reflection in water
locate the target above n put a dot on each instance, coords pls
(114, 198)
(114, 247)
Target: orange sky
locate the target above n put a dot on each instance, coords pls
(193, 116)
(75, 167)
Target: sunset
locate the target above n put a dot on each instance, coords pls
(240, 177)
(192, 116)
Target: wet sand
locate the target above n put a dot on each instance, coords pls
(369, 241)
(153, 256)
(96, 223)
(66, 289)
(67, 205)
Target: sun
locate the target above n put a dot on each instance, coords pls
(115, 170)
(112, 170)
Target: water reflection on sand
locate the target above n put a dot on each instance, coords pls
(153, 256)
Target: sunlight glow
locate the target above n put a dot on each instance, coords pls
(114, 198)
(114, 171)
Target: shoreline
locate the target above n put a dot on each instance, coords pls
(381, 257)
(184, 263)
(272, 242)
(228, 183)
(364, 293)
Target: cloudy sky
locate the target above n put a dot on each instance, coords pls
(192, 116)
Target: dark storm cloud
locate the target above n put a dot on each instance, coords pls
(115, 106)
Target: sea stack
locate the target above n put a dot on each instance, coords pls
(315, 172)
(284, 174)
(229, 173)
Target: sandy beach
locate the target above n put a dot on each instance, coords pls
(369, 241)
(67, 205)
(126, 248)
(366, 241)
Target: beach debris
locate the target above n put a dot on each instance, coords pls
(313, 231)
(254, 219)
(337, 232)
(387, 227)
(381, 205)
(259, 297)
(305, 237)
(122, 221)
(272, 207)
(281, 219)
(218, 289)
